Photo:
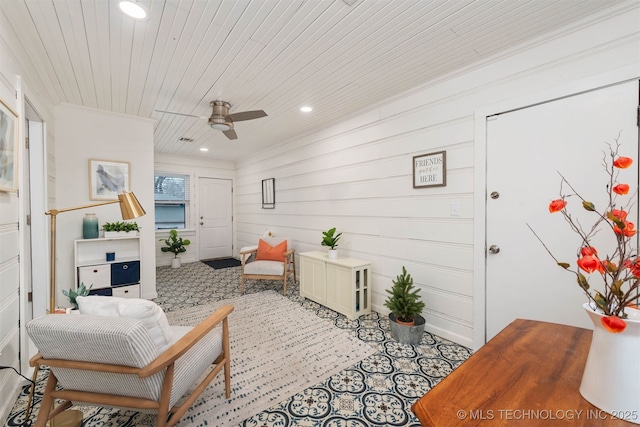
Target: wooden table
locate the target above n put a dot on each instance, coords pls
(527, 375)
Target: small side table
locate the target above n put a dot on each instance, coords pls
(529, 374)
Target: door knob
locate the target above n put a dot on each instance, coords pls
(202, 223)
(494, 249)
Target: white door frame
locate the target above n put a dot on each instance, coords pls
(37, 205)
(39, 226)
(480, 175)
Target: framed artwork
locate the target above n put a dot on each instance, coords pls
(430, 170)
(8, 148)
(269, 193)
(107, 179)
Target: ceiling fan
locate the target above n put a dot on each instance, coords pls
(220, 118)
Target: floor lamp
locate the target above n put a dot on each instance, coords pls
(130, 209)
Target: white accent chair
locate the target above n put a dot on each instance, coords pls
(118, 362)
(269, 269)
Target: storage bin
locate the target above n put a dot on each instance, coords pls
(132, 291)
(95, 276)
(125, 273)
(107, 292)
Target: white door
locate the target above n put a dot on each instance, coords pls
(215, 218)
(525, 151)
(10, 298)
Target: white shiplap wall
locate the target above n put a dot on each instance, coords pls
(357, 175)
(195, 168)
(10, 303)
(358, 179)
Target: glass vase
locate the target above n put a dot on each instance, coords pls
(90, 226)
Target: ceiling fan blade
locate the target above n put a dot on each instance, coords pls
(247, 115)
(231, 134)
(182, 114)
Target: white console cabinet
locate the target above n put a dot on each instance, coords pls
(118, 277)
(341, 284)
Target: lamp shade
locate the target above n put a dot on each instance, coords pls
(130, 206)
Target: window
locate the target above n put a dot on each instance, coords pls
(171, 195)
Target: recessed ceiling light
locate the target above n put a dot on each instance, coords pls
(133, 9)
(306, 109)
(204, 149)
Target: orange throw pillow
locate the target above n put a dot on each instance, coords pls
(271, 253)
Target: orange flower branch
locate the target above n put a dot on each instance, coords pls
(620, 271)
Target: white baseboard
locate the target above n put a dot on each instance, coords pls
(10, 389)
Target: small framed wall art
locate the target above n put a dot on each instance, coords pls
(107, 179)
(430, 170)
(269, 193)
(8, 148)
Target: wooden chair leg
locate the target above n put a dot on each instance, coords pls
(32, 390)
(294, 269)
(242, 285)
(47, 401)
(165, 396)
(284, 287)
(227, 357)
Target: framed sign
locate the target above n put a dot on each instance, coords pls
(430, 170)
(8, 148)
(107, 179)
(269, 193)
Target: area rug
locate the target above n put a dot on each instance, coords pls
(277, 349)
(222, 263)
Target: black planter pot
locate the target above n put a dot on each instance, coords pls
(407, 334)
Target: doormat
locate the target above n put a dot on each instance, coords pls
(222, 263)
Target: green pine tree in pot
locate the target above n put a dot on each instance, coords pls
(404, 301)
(175, 245)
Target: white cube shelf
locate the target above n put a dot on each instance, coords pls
(93, 269)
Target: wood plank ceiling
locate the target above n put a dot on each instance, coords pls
(275, 55)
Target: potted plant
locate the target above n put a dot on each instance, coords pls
(72, 294)
(120, 228)
(407, 325)
(175, 245)
(329, 238)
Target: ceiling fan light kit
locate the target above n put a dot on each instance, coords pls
(220, 118)
(219, 123)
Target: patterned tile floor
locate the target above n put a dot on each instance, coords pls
(378, 391)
